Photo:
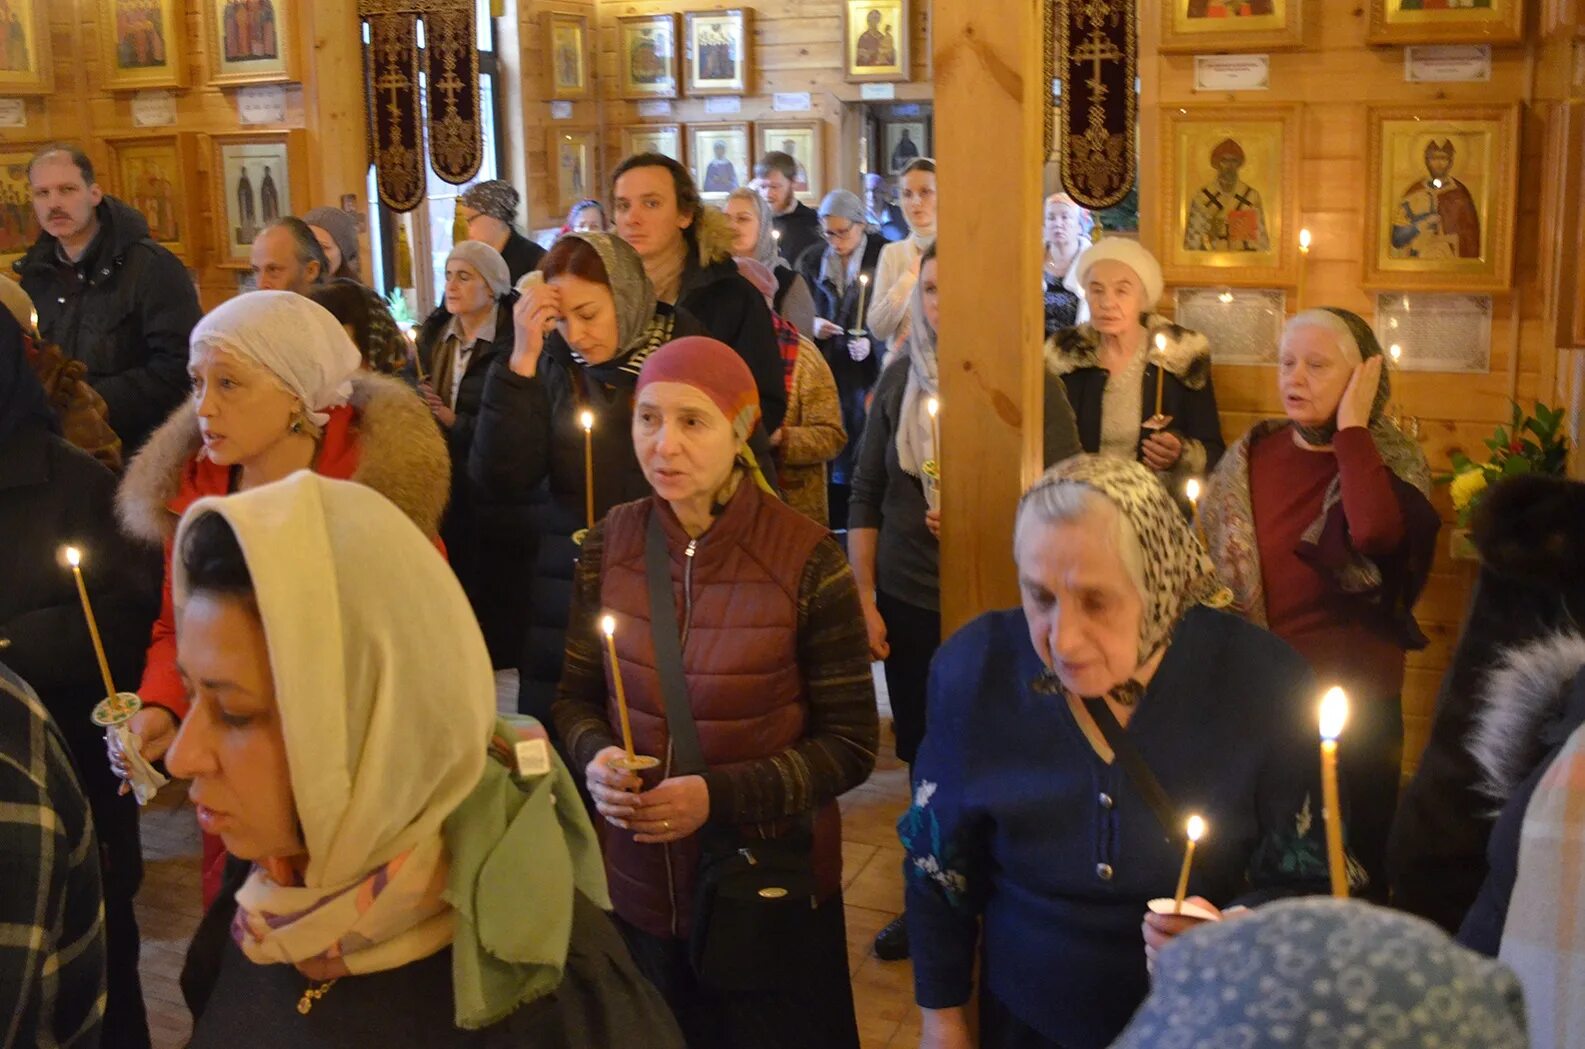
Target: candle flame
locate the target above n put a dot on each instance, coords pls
(74, 556)
(864, 278)
(1196, 828)
(1161, 342)
(775, 234)
(33, 320)
(1191, 488)
(1334, 712)
(1396, 352)
(933, 406)
(586, 420)
(1304, 240)
(608, 626)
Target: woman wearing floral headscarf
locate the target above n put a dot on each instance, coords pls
(1321, 524)
(277, 387)
(1024, 819)
(423, 874)
(584, 326)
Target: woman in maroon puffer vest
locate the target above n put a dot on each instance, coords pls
(776, 665)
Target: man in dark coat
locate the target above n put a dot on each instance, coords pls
(108, 295)
(489, 209)
(796, 222)
(50, 494)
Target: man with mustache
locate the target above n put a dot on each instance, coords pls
(107, 294)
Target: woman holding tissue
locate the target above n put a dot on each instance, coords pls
(743, 668)
(584, 326)
(277, 387)
(1030, 816)
(842, 274)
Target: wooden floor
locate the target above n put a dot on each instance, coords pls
(168, 906)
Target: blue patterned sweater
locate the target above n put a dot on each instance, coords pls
(1020, 829)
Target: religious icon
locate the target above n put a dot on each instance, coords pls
(573, 151)
(151, 175)
(1401, 22)
(1229, 213)
(904, 143)
(250, 41)
(19, 226)
(24, 48)
(258, 181)
(567, 54)
(647, 56)
(720, 155)
(1230, 25)
(717, 52)
(1226, 213)
(1442, 183)
(665, 139)
(876, 40)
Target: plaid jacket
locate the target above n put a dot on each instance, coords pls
(52, 943)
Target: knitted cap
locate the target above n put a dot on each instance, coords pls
(1131, 254)
(495, 198)
(715, 370)
(487, 261)
(342, 227)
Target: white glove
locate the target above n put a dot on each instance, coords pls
(859, 348)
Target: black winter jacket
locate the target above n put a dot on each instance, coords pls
(125, 309)
(732, 310)
(527, 459)
(854, 379)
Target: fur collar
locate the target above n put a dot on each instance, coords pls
(403, 457)
(713, 235)
(1522, 696)
(1187, 354)
(1528, 527)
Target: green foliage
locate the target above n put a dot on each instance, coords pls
(397, 303)
(1528, 444)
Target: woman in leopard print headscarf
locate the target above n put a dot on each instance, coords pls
(1029, 820)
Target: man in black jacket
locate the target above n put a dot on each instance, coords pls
(796, 222)
(107, 294)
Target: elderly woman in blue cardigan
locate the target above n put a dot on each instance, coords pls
(1028, 822)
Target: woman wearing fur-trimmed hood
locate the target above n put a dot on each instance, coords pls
(1124, 340)
(277, 388)
(687, 251)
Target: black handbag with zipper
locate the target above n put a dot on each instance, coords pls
(753, 897)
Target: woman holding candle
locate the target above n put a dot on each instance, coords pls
(418, 872)
(753, 238)
(843, 275)
(1067, 236)
(456, 346)
(277, 387)
(1322, 525)
(775, 677)
(1128, 364)
(51, 493)
(893, 535)
(1026, 820)
(582, 331)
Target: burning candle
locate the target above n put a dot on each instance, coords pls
(608, 628)
(1195, 831)
(74, 557)
(586, 420)
(1161, 349)
(1304, 257)
(864, 290)
(1395, 352)
(933, 407)
(1334, 712)
(1191, 488)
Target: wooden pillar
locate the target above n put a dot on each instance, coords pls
(991, 95)
(333, 108)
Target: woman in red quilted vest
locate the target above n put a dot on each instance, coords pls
(725, 861)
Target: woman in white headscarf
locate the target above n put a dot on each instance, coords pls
(422, 873)
(277, 387)
(898, 272)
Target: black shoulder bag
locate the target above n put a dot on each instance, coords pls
(1134, 767)
(753, 897)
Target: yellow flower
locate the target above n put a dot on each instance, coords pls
(1467, 486)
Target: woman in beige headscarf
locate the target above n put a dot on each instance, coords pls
(423, 874)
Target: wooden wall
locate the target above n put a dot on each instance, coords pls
(797, 47)
(328, 103)
(1335, 77)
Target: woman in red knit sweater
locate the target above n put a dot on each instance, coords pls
(1322, 525)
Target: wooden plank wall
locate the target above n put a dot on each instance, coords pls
(797, 47)
(1335, 77)
(328, 103)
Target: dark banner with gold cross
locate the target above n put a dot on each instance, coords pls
(1096, 58)
(450, 62)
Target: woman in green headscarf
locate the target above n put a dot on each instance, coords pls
(586, 322)
(1321, 524)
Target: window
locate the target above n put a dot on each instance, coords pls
(432, 220)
